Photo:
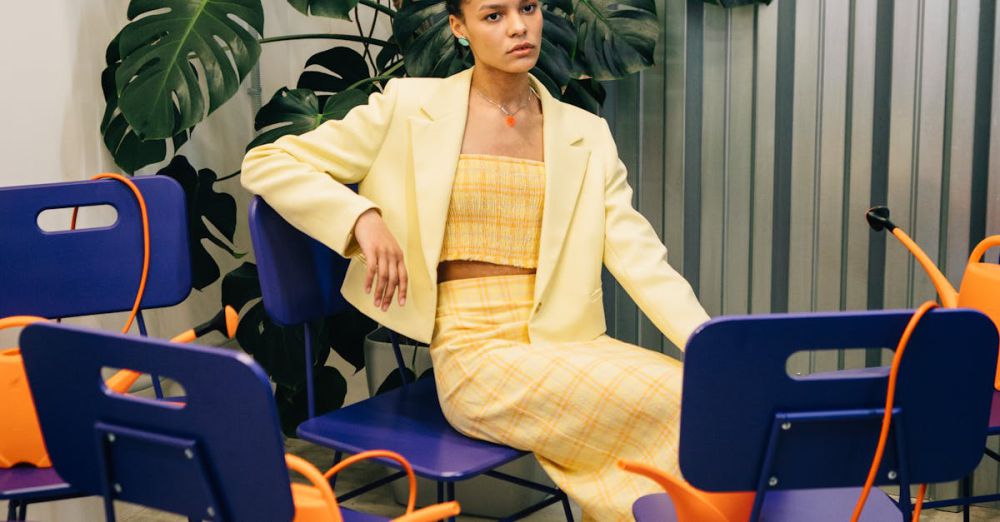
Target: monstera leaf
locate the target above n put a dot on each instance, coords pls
(204, 205)
(422, 32)
(587, 94)
(389, 55)
(129, 151)
(615, 37)
(330, 389)
(332, 8)
(165, 46)
(554, 67)
(333, 71)
(347, 335)
(297, 111)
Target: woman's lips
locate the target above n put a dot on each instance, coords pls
(522, 50)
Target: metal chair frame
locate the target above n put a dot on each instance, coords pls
(300, 281)
(55, 275)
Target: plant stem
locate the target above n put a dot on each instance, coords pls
(346, 37)
(386, 74)
(378, 7)
(367, 53)
(233, 175)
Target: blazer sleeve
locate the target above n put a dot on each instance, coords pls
(637, 258)
(303, 177)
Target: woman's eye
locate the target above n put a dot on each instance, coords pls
(530, 8)
(493, 17)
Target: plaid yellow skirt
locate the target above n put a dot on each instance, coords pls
(579, 407)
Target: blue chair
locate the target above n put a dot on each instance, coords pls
(85, 272)
(218, 456)
(300, 281)
(804, 444)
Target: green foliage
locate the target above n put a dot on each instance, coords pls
(421, 29)
(297, 111)
(587, 94)
(330, 389)
(331, 8)
(130, 152)
(166, 45)
(204, 206)
(332, 71)
(616, 37)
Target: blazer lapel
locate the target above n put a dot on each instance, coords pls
(437, 141)
(565, 166)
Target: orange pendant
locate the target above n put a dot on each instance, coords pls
(510, 121)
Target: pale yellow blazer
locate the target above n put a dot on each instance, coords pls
(402, 150)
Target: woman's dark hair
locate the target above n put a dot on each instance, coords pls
(454, 7)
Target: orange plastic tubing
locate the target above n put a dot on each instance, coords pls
(890, 396)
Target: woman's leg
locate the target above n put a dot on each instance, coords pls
(580, 407)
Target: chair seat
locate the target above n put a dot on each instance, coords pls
(834, 504)
(433, 447)
(28, 483)
(354, 516)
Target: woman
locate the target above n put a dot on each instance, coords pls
(485, 209)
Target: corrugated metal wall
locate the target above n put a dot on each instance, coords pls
(764, 133)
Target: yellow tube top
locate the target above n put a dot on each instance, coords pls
(495, 214)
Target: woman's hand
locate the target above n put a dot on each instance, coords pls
(383, 257)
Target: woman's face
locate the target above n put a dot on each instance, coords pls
(503, 34)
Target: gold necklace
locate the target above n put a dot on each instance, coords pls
(510, 120)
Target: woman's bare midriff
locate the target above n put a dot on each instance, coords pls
(449, 270)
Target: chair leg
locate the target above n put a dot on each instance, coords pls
(450, 496)
(440, 492)
(109, 509)
(336, 460)
(12, 510)
(566, 508)
(22, 511)
(966, 493)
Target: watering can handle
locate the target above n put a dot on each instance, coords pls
(982, 247)
(14, 321)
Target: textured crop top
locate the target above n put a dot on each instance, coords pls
(495, 214)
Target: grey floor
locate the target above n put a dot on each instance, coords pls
(381, 502)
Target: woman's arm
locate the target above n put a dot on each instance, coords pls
(637, 258)
(303, 177)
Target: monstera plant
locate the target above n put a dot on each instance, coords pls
(177, 61)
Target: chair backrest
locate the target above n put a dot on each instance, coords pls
(96, 270)
(736, 387)
(219, 456)
(300, 278)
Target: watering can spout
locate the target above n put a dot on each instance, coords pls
(692, 504)
(878, 219)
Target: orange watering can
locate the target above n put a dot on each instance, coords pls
(691, 503)
(316, 502)
(21, 439)
(980, 288)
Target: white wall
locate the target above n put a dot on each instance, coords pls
(51, 58)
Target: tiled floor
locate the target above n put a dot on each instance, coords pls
(380, 501)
